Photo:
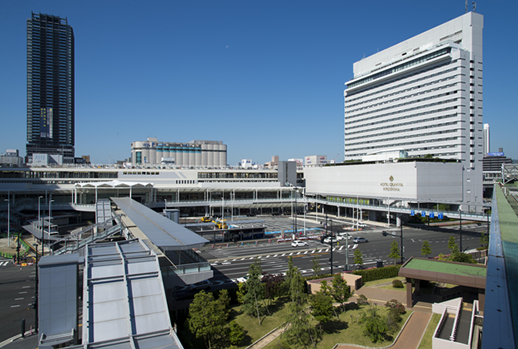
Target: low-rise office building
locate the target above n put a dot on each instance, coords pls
(196, 153)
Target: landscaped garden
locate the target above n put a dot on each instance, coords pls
(238, 318)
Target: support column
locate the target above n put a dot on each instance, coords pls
(409, 293)
(481, 299)
(417, 289)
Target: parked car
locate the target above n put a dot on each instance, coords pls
(343, 236)
(359, 240)
(204, 284)
(298, 243)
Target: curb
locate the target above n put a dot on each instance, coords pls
(14, 338)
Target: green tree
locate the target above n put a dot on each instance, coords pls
(224, 301)
(452, 246)
(297, 291)
(358, 257)
(236, 333)
(394, 251)
(340, 291)
(375, 327)
(254, 291)
(289, 273)
(322, 307)
(206, 318)
(316, 265)
(484, 239)
(300, 331)
(426, 249)
(241, 293)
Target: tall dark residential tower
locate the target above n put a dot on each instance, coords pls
(50, 87)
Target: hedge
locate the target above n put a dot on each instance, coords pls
(378, 273)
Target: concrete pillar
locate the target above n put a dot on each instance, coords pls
(417, 289)
(409, 293)
(481, 299)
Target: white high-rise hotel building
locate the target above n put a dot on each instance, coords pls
(423, 95)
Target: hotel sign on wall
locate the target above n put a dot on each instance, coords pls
(391, 186)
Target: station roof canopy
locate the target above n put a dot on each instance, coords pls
(161, 231)
(114, 184)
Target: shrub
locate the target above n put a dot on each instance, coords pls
(362, 299)
(397, 284)
(393, 318)
(393, 304)
(378, 273)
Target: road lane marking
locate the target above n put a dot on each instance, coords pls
(15, 306)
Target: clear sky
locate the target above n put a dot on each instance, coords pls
(266, 77)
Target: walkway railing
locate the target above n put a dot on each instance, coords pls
(185, 269)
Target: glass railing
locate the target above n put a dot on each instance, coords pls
(185, 269)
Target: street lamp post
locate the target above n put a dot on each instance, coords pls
(460, 229)
(8, 222)
(331, 246)
(402, 258)
(35, 304)
(295, 215)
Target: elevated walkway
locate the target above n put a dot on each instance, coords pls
(172, 242)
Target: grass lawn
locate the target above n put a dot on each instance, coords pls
(346, 329)
(386, 284)
(383, 281)
(268, 323)
(426, 342)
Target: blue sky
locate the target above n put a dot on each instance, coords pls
(265, 77)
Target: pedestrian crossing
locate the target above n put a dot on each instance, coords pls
(4, 263)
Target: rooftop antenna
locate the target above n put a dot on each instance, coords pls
(474, 6)
(466, 7)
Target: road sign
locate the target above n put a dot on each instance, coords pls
(412, 213)
(431, 214)
(440, 216)
(423, 213)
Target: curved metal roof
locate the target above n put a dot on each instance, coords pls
(161, 231)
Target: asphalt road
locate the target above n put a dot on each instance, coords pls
(233, 262)
(16, 296)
